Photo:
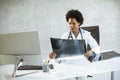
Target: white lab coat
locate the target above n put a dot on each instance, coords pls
(88, 39)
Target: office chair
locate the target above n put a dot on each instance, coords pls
(94, 30)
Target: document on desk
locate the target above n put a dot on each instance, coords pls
(78, 60)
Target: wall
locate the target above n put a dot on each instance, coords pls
(48, 17)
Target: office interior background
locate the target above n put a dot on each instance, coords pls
(48, 18)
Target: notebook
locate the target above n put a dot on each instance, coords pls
(68, 48)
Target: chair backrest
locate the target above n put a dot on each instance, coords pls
(94, 32)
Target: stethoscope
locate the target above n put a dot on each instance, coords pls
(71, 37)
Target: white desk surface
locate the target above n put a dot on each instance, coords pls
(66, 70)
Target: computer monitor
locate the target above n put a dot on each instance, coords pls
(68, 48)
(25, 43)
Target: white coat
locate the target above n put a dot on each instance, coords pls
(88, 39)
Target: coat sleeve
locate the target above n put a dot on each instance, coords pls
(92, 42)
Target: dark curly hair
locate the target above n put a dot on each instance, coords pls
(75, 14)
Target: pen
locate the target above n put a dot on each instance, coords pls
(60, 61)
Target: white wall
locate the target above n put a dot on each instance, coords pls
(48, 17)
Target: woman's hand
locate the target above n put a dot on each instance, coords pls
(52, 55)
(89, 53)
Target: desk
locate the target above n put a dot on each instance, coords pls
(65, 71)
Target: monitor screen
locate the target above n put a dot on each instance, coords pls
(20, 43)
(67, 48)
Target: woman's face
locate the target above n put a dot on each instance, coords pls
(73, 25)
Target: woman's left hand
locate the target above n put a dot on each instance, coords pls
(89, 53)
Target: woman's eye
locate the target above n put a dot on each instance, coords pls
(73, 23)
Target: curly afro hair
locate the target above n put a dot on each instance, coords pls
(75, 14)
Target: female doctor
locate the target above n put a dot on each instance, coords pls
(75, 20)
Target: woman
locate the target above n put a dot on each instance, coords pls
(75, 20)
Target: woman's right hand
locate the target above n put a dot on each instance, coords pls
(52, 55)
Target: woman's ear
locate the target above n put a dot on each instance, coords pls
(79, 24)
